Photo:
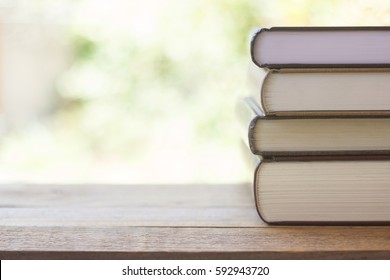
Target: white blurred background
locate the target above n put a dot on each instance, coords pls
(126, 91)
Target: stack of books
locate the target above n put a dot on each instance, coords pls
(319, 125)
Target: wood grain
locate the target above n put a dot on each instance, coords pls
(99, 196)
(164, 222)
(135, 216)
(349, 242)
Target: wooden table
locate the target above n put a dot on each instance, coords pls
(164, 222)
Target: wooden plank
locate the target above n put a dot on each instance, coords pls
(172, 221)
(131, 216)
(168, 242)
(103, 196)
(82, 205)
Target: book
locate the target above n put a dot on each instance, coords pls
(323, 192)
(289, 92)
(290, 47)
(281, 137)
(319, 128)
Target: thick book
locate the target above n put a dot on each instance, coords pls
(283, 137)
(290, 47)
(323, 192)
(333, 91)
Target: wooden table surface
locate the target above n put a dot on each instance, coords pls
(164, 222)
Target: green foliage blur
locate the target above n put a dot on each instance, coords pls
(156, 83)
(151, 90)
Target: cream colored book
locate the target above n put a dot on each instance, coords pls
(290, 92)
(330, 192)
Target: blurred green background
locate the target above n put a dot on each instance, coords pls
(136, 91)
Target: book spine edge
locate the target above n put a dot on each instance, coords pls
(252, 46)
(262, 90)
(251, 132)
(256, 194)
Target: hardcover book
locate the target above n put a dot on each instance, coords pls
(291, 92)
(320, 126)
(273, 137)
(290, 47)
(323, 192)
